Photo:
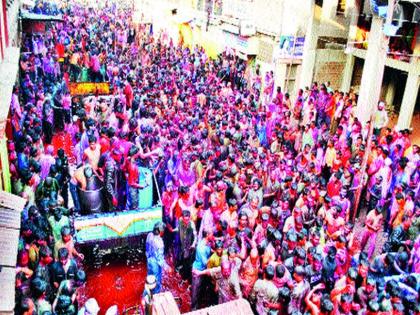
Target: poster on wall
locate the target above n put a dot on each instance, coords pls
(218, 7)
(291, 47)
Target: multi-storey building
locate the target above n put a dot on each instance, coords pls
(314, 40)
(299, 40)
(389, 47)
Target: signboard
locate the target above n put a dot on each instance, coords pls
(88, 88)
(107, 226)
(291, 47)
(244, 45)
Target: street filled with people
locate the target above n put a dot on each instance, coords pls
(288, 201)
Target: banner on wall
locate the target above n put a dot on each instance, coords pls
(89, 88)
(242, 44)
(192, 36)
(291, 47)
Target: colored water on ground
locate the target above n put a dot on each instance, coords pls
(119, 280)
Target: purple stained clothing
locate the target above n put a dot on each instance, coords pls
(323, 101)
(186, 177)
(78, 153)
(272, 107)
(315, 133)
(46, 161)
(49, 115)
(269, 130)
(134, 50)
(48, 65)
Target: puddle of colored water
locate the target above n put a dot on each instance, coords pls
(119, 280)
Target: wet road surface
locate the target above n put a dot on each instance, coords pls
(119, 280)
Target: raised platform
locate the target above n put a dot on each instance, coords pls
(165, 304)
(108, 226)
(11, 207)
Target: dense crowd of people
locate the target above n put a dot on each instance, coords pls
(260, 189)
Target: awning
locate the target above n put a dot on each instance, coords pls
(10, 209)
(26, 15)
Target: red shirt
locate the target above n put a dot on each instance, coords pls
(105, 145)
(346, 157)
(128, 92)
(60, 50)
(133, 173)
(337, 163)
(333, 188)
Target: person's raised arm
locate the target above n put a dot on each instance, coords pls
(308, 299)
(28, 272)
(398, 268)
(77, 254)
(206, 272)
(242, 254)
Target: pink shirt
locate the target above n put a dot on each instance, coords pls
(95, 64)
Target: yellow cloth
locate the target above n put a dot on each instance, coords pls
(215, 260)
(330, 155)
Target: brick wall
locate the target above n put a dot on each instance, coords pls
(329, 66)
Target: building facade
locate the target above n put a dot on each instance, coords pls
(389, 48)
(300, 41)
(9, 65)
(317, 40)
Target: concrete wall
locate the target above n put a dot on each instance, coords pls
(329, 66)
(273, 17)
(240, 9)
(295, 17)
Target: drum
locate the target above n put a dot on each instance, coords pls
(92, 199)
